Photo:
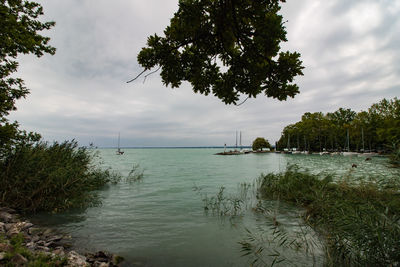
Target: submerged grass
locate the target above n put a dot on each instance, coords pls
(227, 205)
(135, 175)
(359, 221)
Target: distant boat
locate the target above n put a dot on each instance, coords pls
(119, 151)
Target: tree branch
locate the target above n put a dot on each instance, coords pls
(242, 102)
(151, 73)
(140, 74)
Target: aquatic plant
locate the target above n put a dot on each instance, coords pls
(227, 205)
(135, 175)
(43, 177)
(358, 221)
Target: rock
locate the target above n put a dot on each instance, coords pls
(117, 259)
(31, 245)
(2, 229)
(24, 225)
(7, 226)
(18, 227)
(101, 264)
(43, 248)
(47, 232)
(75, 259)
(54, 238)
(35, 238)
(34, 231)
(13, 231)
(59, 251)
(41, 243)
(18, 260)
(2, 255)
(8, 210)
(6, 217)
(5, 247)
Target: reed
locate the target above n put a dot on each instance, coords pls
(227, 205)
(358, 221)
(135, 175)
(54, 177)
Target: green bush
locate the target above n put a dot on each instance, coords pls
(359, 222)
(43, 177)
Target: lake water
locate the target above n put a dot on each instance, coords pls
(161, 221)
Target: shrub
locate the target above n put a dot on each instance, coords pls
(43, 177)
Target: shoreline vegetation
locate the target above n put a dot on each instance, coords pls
(358, 221)
(52, 178)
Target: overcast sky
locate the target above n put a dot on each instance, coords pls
(350, 50)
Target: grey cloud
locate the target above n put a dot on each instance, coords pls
(81, 92)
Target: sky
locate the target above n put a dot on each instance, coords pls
(350, 50)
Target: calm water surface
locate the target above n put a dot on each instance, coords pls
(161, 221)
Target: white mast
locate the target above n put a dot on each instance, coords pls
(236, 140)
(240, 138)
(119, 136)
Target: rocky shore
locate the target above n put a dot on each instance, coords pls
(38, 243)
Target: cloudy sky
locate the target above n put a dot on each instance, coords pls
(350, 49)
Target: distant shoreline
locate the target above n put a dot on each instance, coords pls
(174, 147)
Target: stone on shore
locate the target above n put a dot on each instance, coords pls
(45, 241)
(75, 259)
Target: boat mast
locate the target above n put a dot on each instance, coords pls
(119, 135)
(348, 141)
(362, 134)
(236, 140)
(240, 138)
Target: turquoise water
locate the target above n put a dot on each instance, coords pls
(161, 220)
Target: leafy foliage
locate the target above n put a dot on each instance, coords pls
(260, 143)
(225, 47)
(19, 27)
(360, 222)
(55, 177)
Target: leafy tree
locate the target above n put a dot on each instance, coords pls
(378, 129)
(227, 48)
(19, 27)
(260, 143)
(386, 115)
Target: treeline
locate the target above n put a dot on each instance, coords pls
(377, 129)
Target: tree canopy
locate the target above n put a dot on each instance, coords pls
(378, 128)
(19, 27)
(225, 47)
(260, 143)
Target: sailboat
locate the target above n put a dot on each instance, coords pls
(119, 151)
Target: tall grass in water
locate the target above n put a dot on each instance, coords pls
(55, 177)
(359, 222)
